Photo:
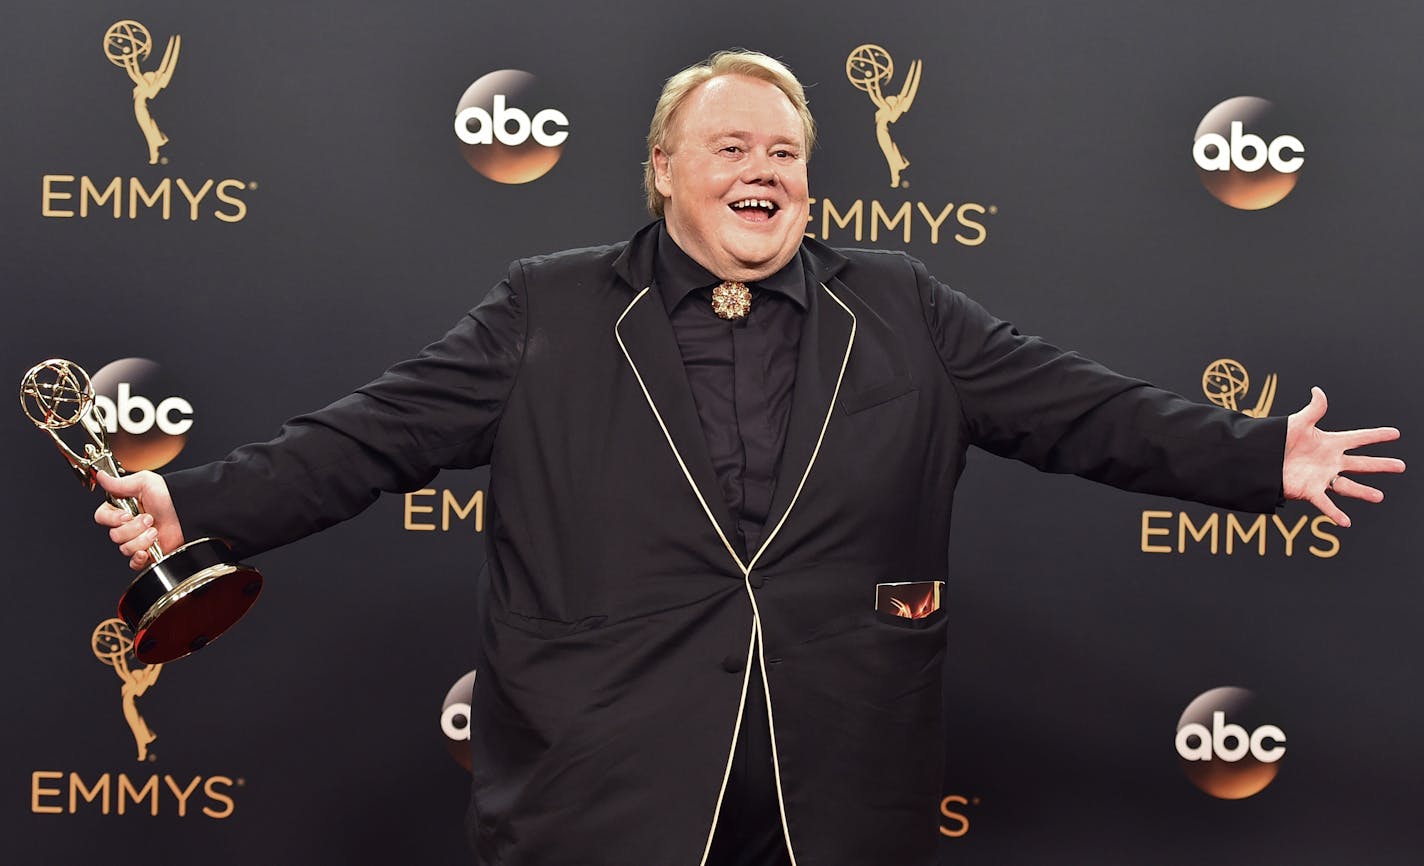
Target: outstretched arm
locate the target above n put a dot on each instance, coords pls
(1316, 458)
(438, 410)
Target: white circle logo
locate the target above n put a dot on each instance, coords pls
(1226, 747)
(1242, 156)
(145, 423)
(506, 132)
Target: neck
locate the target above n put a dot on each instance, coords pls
(726, 271)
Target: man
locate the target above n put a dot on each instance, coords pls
(698, 674)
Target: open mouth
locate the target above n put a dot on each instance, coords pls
(754, 209)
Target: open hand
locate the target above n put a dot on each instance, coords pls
(1315, 460)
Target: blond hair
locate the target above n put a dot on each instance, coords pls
(752, 64)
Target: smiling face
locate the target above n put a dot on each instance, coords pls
(734, 178)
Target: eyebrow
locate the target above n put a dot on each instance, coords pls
(746, 135)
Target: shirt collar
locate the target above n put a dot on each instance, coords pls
(677, 274)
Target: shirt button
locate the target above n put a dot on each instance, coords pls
(732, 664)
(755, 581)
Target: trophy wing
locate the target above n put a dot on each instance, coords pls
(907, 93)
(170, 60)
(1268, 396)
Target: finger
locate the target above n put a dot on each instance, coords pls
(109, 515)
(139, 542)
(1368, 436)
(1329, 509)
(1354, 463)
(131, 529)
(1355, 490)
(1315, 409)
(139, 561)
(119, 488)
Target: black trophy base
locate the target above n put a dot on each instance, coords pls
(185, 600)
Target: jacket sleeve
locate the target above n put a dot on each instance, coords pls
(1060, 412)
(438, 410)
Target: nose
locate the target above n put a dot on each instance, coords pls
(760, 169)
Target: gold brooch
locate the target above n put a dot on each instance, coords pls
(731, 300)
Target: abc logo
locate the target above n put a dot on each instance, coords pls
(1240, 159)
(145, 425)
(455, 719)
(505, 133)
(1226, 749)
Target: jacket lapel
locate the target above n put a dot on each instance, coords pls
(826, 340)
(650, 346)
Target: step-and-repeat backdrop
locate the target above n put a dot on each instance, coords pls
(231, 213)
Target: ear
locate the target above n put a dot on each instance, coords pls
(662, 172)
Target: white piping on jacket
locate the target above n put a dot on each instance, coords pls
(746, 570)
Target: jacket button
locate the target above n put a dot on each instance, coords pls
(732, 664)
(755, 580)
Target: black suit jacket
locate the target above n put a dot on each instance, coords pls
(620, 617)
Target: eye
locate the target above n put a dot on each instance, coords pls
(732, 148)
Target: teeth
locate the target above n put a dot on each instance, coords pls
(753, 202)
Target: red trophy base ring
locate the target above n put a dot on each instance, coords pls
(185, 600)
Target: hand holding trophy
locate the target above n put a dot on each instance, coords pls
(186, 597)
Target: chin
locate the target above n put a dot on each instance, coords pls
(759, 256)
(755, 268)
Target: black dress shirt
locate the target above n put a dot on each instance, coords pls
(742, 374)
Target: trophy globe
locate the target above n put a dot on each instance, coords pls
(127, 42)
(111, 642)
(868, 66)
(186, 597)
(56, 394)
(1223, 381)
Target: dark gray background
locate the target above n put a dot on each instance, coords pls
(1072, 653)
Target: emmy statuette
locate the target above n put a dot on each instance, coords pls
(188, 596)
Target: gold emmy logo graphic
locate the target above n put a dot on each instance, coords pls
(868, 67)
(75, 194)
(113, 645)
(1224, 380)
(126, 44)
(848, 214)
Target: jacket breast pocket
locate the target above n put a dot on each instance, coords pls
(876, 395)
(928, 621)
